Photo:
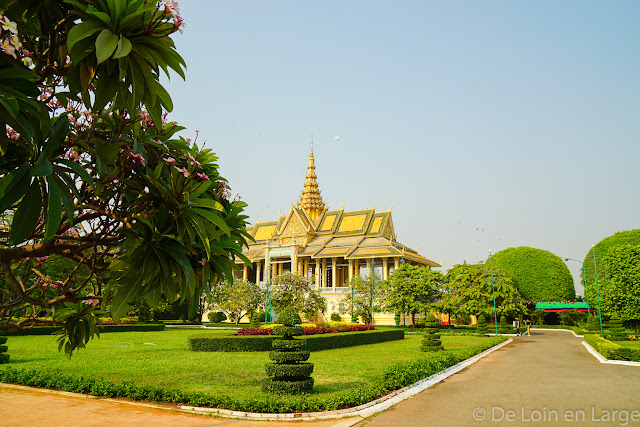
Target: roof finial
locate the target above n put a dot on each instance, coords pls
(310, 199)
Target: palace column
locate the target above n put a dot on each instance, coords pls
(396, 263)
(334, 272)
(368, 267)
(323, 276)
(318, 284)
(350, 270)
(258, 272)
(245, 273)
(356, 268)
(305, 268)
(385, 269)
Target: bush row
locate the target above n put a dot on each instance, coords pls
(611, 350)
(307, 331)
(314, 342)
(397, 376)
(48, 330)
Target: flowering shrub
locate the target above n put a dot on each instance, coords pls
(308, 331)
(93, 171)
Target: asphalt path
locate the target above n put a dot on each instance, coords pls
(544, 379)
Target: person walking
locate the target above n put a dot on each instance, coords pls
(516, 323)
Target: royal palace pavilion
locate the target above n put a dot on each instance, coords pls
(329, 247)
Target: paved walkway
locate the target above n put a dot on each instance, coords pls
(547, 378)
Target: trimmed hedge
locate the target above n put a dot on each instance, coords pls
(3, 340)
(271, 385)
(300, 370)
(293, 345)
(612, 350)
(49, 330)
(286, 357)
(397, 376)
(206, 342)
(288, 331)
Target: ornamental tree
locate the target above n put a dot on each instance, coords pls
(600, 264)
(236, 298)
(471, 289)
(294, 290)
(92, 171)
(538, 275)
(364, 297)
(620, 294)
(413, 289)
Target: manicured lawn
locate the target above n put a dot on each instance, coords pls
(630, 344)
(163, 359)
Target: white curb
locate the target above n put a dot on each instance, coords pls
(603, 359)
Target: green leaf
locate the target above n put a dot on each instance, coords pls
(67, 198)
(207, 203)
(82, 31)
(27, 215)
(10, 104)
(77, 168)
(106, 44)
(165, 99)
(123, 49)
(121, 298)
(43, 166)
(54, 210)
(10, 180)
(215, 219)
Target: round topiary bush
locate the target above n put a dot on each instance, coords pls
(615, 330)
(537, 274)
(216, 316)
(396, 318)
(290, 373)
(431, 339)
(336, 317)
(504, 328)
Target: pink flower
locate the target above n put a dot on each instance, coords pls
(8, 48)
(202, 262)
(183, 171)
(202, 176)
(92, 301)
(170, 160)
(42, 258)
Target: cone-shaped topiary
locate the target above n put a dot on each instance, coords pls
(593, 324)
(482, 324)
(504, 328)
(396, 318)
(431, 340)
(290, 373)
(616, 330)
(4, 357)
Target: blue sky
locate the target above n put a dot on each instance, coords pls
(487, 124)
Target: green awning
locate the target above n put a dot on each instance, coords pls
(561, 305)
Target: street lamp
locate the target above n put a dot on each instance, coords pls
(595, 270)
(493, 290)
(373, 271)
(586, 293)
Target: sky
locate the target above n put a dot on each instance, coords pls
(485, 124)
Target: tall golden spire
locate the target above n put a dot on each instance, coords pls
(310, 199)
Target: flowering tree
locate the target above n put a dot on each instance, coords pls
(413, 289)
(365, 296)
(294, 290)
(92, 171)
(236, 298)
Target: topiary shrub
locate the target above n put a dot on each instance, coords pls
(216, 317)
(482, 325)
(336, 317)
(257, 319)
(615, 330)
(396, 318)
(593, 323)
(431, 339)
(504, 328)
(290, 373)
(4, 357)
(538, 275)
(421, 323)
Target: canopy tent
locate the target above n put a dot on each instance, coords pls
(554, 306)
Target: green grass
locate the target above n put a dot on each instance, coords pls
(163, 359)
(629, 344)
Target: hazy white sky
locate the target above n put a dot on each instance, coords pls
(487, 124)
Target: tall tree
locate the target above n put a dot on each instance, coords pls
(413, 289)
(620, 294)
(92, 170)
(470, 291)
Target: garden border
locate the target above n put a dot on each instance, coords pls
(360, 411)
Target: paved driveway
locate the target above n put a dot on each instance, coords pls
(547, 378)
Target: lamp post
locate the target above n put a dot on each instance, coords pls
(493, 290)
(595, 270)
(373, 271)
(586, 293)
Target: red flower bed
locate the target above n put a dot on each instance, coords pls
(309, 331)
